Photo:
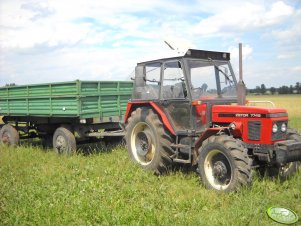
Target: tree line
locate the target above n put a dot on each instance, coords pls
(262, 89)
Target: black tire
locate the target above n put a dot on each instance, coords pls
(224, 164)
(148, 142)
(9, 135)
(288, 169)
(47, 141)
(292, 167)
(64, 141)
(114, 141)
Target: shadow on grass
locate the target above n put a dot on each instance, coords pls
(88, 148)
(100, 146)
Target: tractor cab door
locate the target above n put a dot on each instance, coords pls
(173, 97)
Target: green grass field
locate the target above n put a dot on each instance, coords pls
(37, 187)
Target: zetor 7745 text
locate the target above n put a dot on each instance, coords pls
(187, 109)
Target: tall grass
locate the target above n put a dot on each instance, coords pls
(38, 187)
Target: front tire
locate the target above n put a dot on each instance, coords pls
(224, 164)
(148, 143)
(283, 172)
(64, 141)
(9, 135)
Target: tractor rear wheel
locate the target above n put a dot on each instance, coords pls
(147, 141)
(224, 164)
(64, 141)
(9, 135)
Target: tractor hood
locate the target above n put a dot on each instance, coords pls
(253, 124)
(220, 112)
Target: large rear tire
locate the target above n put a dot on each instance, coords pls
(9, 135)
(64, 141)
(224, 164)
(148, 142)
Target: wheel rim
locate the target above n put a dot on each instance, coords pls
(218, 170)
(142, 145)
(61, 144)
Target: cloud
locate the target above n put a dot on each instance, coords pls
(296, 69)
(48, 40)
(292, 33)
(244, 17)
(285, 56)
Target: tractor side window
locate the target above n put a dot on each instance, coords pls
(211, 79)
(228, 87)
(173, 81)
(147, 82)
(202, 77)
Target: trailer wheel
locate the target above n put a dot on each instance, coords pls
(224, 164)
(64, 141)
(9, 135)
(290, 168)
(147, 141)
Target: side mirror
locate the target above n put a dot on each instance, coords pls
(139, 80)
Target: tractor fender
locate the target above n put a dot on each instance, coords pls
(208, 133)
(132, 106)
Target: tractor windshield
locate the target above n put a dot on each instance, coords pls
(210, 78)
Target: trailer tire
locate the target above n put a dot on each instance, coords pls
(224, 164)
(47, 141)
(148, 142)
(64, 141)
(9, 135)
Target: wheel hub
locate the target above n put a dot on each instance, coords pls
(60, 143)
(143, 143)
(220, 169)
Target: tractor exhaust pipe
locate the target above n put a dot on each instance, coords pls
(241, 88)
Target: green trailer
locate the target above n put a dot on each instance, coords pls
(64, 112)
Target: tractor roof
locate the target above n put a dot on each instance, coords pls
(196, 54)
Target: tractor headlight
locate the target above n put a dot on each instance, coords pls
(283, 127)
(275, 128)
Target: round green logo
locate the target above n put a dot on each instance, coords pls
(282, 215)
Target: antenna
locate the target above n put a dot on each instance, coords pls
(172, 48)
(169, 45)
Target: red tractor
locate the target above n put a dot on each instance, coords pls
(185, 110)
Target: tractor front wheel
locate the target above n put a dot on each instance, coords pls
(148, 143)
(224, 164)
(283, 172)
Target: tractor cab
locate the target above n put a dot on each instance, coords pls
(186, 87)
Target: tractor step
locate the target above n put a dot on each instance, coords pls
(180, 146)
(182, 161)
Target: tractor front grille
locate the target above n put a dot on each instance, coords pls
(254, 130)
(279, 135)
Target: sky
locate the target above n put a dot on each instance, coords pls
(45, 41)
